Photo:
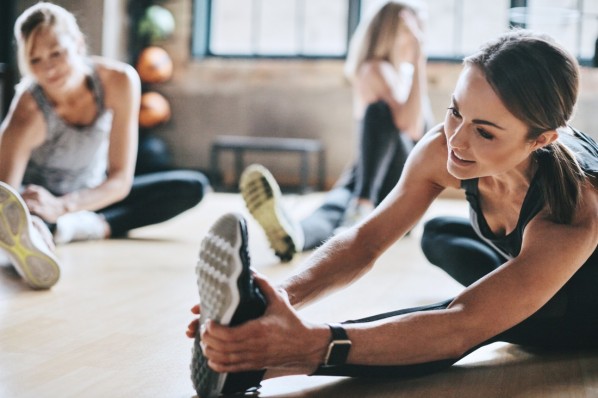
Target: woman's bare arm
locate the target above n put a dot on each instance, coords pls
(355, 251)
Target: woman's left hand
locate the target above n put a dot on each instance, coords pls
(278, 339)
(42, 203)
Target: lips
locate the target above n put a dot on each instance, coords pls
(459, 160)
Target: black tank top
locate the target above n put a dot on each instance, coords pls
(586, 152)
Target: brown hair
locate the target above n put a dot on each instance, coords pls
(32, 20)
(538, 82)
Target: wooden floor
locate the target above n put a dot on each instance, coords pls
(114, 324)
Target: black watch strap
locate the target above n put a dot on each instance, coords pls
(339, 347)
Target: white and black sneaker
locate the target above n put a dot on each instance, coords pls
(23, 242)
(229, 296)
(262, 197)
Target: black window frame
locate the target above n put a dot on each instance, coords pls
(202, 24)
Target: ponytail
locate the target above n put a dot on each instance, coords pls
(561, 179)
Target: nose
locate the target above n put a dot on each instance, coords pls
(49, 67)
(457, 139)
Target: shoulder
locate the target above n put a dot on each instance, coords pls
(429, 158)
(24, 110)
(116, 75)
(24, 124)
(581, 233)
(585, 217)
(120, 81)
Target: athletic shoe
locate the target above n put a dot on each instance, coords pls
(23, 243)
(228, 296)
(262, 197)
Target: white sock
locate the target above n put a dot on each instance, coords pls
(81, 225)
(4, 259)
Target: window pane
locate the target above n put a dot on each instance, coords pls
(325, 24)
(231, 27)
(589, 29)
(558, 18)
(441, 37)
(277, 27)
(478, 28)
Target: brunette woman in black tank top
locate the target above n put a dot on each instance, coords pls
(529, 267)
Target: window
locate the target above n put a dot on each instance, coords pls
(273, 28)
(322, 28)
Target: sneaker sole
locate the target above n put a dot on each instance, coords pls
(219, 268)
(37, 267)
(262, 195)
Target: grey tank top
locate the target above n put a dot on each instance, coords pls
(72, 157)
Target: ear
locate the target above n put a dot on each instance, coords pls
(545, 138)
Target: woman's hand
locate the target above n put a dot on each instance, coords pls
(42, 203)
(411, 37)
(194, 325)
(278, 339)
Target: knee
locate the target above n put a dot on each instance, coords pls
(200, 185)
(433, 241)
(379, 117)
(377, 110)
(191, 185)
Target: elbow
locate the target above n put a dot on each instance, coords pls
(126, 189)
(464, 334)
(122, 187)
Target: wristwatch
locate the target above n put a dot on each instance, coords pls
(339, 347)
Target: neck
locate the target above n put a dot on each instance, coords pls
(514, 179)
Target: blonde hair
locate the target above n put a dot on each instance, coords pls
(376, 36)
(36, 17)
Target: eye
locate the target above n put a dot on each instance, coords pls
(454, 112)
(34, 61)
(55, 54)
(484, 134)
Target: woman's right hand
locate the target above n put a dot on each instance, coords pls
(412, 32)
(194, 325)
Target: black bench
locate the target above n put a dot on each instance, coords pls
(241, 144)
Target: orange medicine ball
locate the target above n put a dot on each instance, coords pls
(154, 65)
(154, 110)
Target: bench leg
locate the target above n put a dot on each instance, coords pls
(321, 170)
(216, 176)
(239, 165)
(304, 171)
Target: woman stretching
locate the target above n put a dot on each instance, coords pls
(69, 145)
(528, 255)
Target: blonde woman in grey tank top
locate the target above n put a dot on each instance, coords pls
(69, 141)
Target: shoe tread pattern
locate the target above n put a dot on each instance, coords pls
(223, 257)
(261, 198)
(38, 268)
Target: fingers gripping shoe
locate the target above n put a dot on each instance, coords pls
(28, 252)
(262, 197)
(228, 296)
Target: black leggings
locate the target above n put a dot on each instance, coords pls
(383, 151)
(382, 155)
(155, 198)
(568, 321)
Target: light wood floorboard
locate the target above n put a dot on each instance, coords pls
(114, 324)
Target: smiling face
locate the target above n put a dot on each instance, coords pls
(483, 137)
(53, 58)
